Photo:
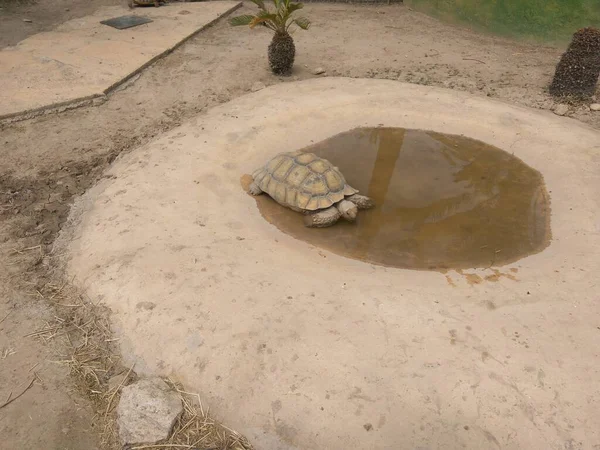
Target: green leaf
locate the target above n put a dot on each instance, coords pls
(294, 7)
(302, 22)
(265, 18)
(267, 15)
(241, 20)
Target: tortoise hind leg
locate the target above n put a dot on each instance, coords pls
(323, 219)
(254, 189)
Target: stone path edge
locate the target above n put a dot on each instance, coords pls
(101, 97)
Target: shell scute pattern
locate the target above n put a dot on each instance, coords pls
(297, 176)
(302, 181)
(319, 166)
(316, 185)
(282, 171)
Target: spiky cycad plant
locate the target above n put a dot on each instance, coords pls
(282, 50)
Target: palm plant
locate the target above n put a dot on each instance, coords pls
(282, 50)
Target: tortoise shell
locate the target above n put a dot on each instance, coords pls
(302, 181)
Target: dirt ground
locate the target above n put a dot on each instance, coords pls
(47, 161)
(41, 16)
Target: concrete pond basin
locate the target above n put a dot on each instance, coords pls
(298, 347)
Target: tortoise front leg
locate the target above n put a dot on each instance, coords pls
(323, 219)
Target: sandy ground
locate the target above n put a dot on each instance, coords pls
(49, 160)
(41, 16)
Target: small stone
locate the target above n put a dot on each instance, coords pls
(318, 71)
(595, 106)
(561, 110)
(368, 426)
(257, 86)
(147, 411)
(27, 20)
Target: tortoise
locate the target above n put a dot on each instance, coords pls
(311, 185)
(134, 3)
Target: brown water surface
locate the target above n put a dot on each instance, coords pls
(443, 202)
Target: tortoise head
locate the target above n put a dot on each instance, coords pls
(348, 210)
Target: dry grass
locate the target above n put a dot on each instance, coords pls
(195, 429)
(93, 359)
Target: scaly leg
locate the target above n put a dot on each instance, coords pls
(322, 219)
(362, 201)
(254, 189)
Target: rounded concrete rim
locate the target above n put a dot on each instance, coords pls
(270, 330)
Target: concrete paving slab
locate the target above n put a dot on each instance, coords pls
(83, 59)
(299, 348)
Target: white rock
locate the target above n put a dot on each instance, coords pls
(561, 110)
(595, 106)
(257, 86)
(318, 71)
(27, 20)
(147, 411)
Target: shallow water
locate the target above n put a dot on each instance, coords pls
(443, 202)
